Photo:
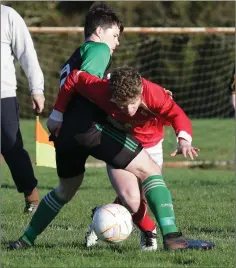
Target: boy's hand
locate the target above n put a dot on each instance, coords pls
(186, 149)
(38, 102)
(54, 126)
(169, 93)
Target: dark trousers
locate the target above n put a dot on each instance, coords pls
(12, 147)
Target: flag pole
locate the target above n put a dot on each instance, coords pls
(36, 138)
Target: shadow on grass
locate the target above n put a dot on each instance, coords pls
(94, 251)
(211, 230)
(5, 243)
(9, 186)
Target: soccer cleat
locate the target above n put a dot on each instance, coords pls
(91, 238)
(31, 201)
(174, 241)
(18, 244)
(30, 207)
(148, 240)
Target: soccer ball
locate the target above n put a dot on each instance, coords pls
(112, 223)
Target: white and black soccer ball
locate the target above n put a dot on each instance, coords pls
(112, 223)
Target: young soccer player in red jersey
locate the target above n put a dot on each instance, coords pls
(137, 105)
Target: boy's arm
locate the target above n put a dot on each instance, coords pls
(164, 105)
(64, 96)
(94, 61)
(178, 119)
(24, 51)
(76, 82)
(92, 87)
(159, 102)
(183, 129)
(83, 83)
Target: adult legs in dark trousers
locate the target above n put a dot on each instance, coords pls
(16, 156)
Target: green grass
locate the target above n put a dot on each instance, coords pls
(214, 137)
(204, 202)
(204, 206)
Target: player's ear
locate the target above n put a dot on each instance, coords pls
(99, 31)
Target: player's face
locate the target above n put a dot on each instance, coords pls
(130, 108)
(110, 36)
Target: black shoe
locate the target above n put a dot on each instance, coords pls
(18, 244)
(173, 241)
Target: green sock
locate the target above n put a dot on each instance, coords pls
(160, 203)
(47, 210)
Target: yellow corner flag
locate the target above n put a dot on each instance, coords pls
(45, 151)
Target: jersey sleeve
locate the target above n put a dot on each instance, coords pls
(95, 59)
(160, 103)
(65, 94)
(23, 49)
(91, 87)
(85, 84)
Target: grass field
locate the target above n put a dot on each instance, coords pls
(214, 137)
(204, 202)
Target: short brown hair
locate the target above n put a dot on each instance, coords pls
(125, 84)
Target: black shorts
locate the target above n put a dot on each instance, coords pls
(100, 140)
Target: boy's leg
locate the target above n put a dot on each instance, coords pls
(118, 149)
(127, 188)
(160, 203)
(70, 168)
(128, 154)
(50, 206)
(16, 157)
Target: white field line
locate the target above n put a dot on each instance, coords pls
(216, 163)
(210, 163)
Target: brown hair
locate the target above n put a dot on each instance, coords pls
(103, 16)
(125, 84)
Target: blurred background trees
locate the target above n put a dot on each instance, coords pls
(145, 13)
(197, 68)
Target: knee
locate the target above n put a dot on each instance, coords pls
(145, 173)
(68, 188)
(130, 200)
(143, 166)
(64, 193)
(13, 150)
